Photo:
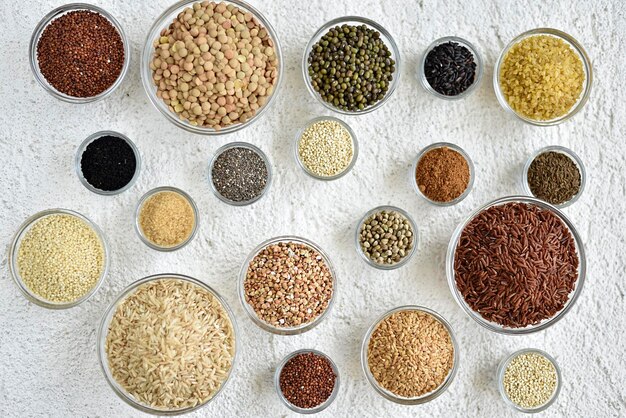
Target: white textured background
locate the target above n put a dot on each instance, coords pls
(48, 364)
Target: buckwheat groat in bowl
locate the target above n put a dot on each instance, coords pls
(211, 67)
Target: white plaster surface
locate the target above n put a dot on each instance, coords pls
(48, 363)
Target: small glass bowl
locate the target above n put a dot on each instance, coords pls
(145, 198)
(293, 407)
(406, 257)
(493, 326)
(41, 26)
(584, 95)
(251, 147)
(500, 376)
(83, 147)
(572, 156)
(15, 246)
(477, 76)
(385, 36)
(104, 329)
(427, 397)
(296, 148)
(163, 22)
(454, 148)
(250, 311)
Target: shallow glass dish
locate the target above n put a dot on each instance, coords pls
(41, 26)
(104, 329)
(493, 326)
(406, 257)
(296, 148)
(427, 397)
(572, 156)
(163, 22)
(578, 49)
(145, 198)
(250, 311)
(500, 377)
(477, 76)
(293, 407)
(245, 145)
(83, 147)
(15, 246)
(385, 36)
(454, 148)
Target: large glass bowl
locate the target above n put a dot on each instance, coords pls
(163, 22)
(493, 326)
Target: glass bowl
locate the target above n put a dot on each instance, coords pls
(163, 22)
(500, 376)
(296, 148)
(145, 198)
(354, 21)
(493, 326)
(477, 76)
(586, 62)
(41, 26)
(406, 257)
(83, 147)
(453, 147)
(427, 397)
(251, 147)
(572, 156)
(293, 407)
(104, 328)
(250, 311)
(15, 246)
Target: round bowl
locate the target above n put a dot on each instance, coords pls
(500, 376)
(163, 22)
(584, 95)
(41, 26)
(568, 152)
(151, 193)
(453, 147)
(296, 148)
(291, 406)
(493, 326)
(103, 332)
(477, 59)
(354, 21)
(427, 397)
(251, 147)
(387, 266)
(250, 311)
(79, 156)
(15, 246)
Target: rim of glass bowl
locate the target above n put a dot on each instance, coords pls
(562, 150)
(296, 148)
(500, 377)
(143, 200)
(587, 68)
(103, 332)
(477, 76)
(15, 246)
(453, 147)
(79, 155)
(251, 147)
(495, 327)
(387, 39)
(293, 407)
(427, 397)
(250, 311)
(34, 62)
(162, 22)
(406, 258)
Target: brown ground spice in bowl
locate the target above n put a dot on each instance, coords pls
(442, 174)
